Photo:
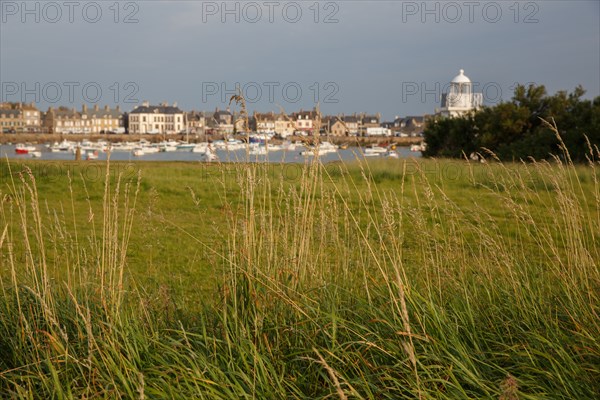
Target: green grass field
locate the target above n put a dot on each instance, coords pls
(387, 279)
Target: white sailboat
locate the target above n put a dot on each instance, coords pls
(322, 149)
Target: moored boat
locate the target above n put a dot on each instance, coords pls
(321, 149)
(258, 150)
(167, 146)
(24, 149)
(185, 146)
(138, 151)
(64, 146)
(200, 148)
(418, 147)
(375, 150)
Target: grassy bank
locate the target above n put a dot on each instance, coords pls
(392, 279)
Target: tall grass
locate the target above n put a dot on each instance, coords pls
(364, 280)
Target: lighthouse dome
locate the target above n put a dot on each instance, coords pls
(461, 77)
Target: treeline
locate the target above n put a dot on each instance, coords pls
(514, 130)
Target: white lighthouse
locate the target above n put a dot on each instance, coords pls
(460, 98)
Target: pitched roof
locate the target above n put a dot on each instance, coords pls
(194, 115)
(368, 118)
(156, 109)
(102, 112)
(350, 119)
(270, 116)
(64, 112)
(304, 114)
(338, 122)
(329, 119)
(8, 113)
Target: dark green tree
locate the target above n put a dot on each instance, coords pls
(515, 130)
(448, 137)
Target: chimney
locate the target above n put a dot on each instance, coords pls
(175, 104)
(96, 108)
(146, 103)
(83, 108)
(106, 108)
(118, 108)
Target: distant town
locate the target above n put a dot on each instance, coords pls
(165, 119)
(169, 119)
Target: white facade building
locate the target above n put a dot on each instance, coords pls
(162, 119)
(378, 131)
(460, 98)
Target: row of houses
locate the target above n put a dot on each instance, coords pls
(26, 118)
(18, 117)
(170, 119)
(167, 119)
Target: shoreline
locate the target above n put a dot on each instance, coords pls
(354, 141)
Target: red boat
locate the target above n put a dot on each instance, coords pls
(23, 149)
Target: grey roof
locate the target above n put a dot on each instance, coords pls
(211, 123)
(102, 112)
(64, 112)
(6, 113)
(17, 106)
(223, 117)
(368, 118)
(194, 115)
(351, 119)
(309, 114)
(269, 116)
(156, 109)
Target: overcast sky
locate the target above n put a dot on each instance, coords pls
(393, 57)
